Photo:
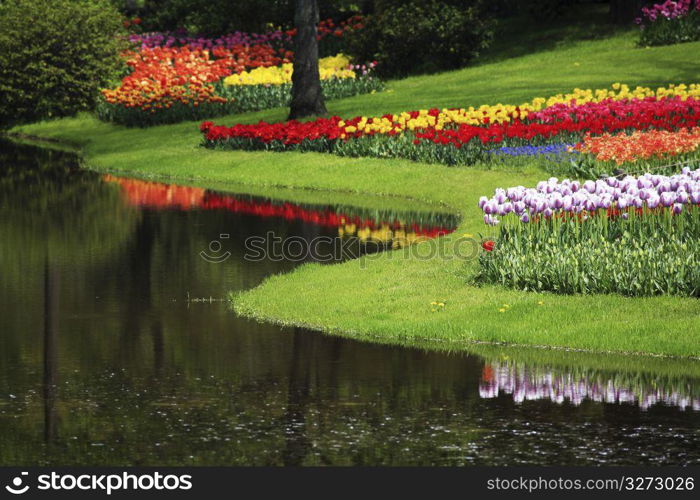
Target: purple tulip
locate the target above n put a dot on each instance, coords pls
(567, 203)
(515, 193)
(643, 183)
(552, 197)
(667, 199)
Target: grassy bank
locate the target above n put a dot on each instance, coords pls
(388, 297)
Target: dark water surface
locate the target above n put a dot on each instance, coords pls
(103, 360)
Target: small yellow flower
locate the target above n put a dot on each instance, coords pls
(433, 303)
(441, 304)
(502, 310)
(506, 306)
(540, 303)
(468, 235)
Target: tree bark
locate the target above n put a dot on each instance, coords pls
(625, 11)
(307, 98)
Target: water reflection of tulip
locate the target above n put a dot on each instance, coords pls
(528, 383)
(157, 195)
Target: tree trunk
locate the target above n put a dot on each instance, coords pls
(625, 11)
(307, 98)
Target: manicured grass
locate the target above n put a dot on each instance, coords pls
(387, 298)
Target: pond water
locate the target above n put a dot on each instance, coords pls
(116, 347)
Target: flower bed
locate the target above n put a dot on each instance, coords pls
(168, 85)
(673, 21)
(466, 136)
(270, 87)
(653, 144)
(172, 84)
(636, 236)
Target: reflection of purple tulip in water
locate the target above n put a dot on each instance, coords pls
(526, 383)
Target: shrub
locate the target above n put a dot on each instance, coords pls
(670, 22)
(418, 36)
(55, 55)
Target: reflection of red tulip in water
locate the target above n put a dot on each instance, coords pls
(156, 195)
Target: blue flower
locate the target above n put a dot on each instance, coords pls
(549, 150)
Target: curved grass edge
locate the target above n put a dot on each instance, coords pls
(483, 348)
(653, 365)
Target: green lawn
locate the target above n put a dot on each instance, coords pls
(387, 298)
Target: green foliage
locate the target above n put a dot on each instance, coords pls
(54, 57)
(218, 17)
(546, 10)
(664, 31)
(419, 37)
(650, 254)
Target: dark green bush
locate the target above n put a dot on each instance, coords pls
(664, 31)
(55, 55)
(218, 17)
(422, 36)
(546, 10)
